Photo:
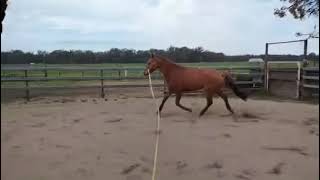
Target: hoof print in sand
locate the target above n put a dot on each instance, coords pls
(63, 146)
(246, 174)
(314, 131)
(277, 169)
(84, 172)
(227, 135)
(67, 100)
(157, 131)
(77, 120)
(146, 160)
(215, 165)
(38, 125)
(134, 177)
(113, 120)
(129, 169)
(181, 165)
(146, 170)
(311, 121)
(299, 150)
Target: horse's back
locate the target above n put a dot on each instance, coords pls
(192, 79)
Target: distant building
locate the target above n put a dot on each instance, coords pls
(256, 60)
(305, 63)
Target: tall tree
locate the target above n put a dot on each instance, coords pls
(298, 8)
(115, 55)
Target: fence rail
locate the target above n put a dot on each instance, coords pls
(34, 68)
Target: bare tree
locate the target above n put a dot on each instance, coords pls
(4, 4)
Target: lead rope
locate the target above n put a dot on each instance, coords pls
(157, 132)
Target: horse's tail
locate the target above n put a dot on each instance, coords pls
(231, 84)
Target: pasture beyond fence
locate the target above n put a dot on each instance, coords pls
(291, 81)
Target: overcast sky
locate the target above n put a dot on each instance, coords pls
(228, 26)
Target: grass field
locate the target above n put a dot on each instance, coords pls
(142, 65)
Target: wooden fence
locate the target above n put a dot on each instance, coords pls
(246, 77)
(295, 82)
(310, 82)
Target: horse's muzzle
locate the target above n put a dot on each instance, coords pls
(146, 72)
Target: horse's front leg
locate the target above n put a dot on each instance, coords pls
(225, 99)
(209, 103)
(178, 97)
(165, 98)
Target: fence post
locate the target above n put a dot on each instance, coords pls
(27, 85)
(305, 48)
(305, 51)
(119, 73)
(125, 73)
(102, 85)
(299, 81)
(266, 69)
(45, 72)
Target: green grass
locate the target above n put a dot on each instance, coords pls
(142, 65)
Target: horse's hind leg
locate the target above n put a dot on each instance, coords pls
(209, 103)
(225, 99)
(178, 97)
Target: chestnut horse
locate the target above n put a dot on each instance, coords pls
(181, 79)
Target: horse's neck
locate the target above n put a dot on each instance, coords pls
(167, 67)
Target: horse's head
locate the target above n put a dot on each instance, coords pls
(152, 64)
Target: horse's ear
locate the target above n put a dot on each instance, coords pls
(152, 55)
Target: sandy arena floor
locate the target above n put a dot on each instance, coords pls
(56, 138)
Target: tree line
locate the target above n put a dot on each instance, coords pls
(115, 55)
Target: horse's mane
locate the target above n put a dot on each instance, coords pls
(166, 59)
